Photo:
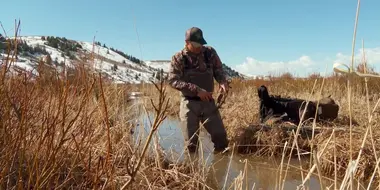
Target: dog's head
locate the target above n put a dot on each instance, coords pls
(327, 100)
(262, 92)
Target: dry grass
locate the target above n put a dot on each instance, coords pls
(240, 114)
(367, 161)
(74, 132)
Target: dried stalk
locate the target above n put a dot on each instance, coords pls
(161, 111)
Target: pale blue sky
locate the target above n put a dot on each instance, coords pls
(268, 33)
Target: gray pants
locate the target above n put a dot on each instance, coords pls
(193, 112)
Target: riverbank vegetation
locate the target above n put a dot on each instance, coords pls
(337, 143)
(74, 130)
(77, 131)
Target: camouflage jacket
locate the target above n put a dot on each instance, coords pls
(177, 69)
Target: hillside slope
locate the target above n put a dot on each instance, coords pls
(59, 52)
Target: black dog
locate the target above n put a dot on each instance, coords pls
(268, 106)
(271, 106)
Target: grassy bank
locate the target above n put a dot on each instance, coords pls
(334, 147)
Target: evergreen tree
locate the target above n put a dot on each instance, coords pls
(114, 68)
(2, 39)
(2, 43)
(48, 60)
(67, 53)
(54, 44)
(72, 57)
(78, 45)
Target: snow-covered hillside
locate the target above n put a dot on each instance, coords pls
(118, 66)
(159, 64)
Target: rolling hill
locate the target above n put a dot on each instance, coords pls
(115, 64)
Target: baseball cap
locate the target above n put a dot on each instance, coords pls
(195, 34)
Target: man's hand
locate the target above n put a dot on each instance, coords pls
(224, 87)
(204, 95)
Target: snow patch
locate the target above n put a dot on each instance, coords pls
(164, 65)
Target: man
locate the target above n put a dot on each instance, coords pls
(192, 72)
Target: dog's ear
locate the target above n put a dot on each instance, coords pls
(259, 91)
(263, 92)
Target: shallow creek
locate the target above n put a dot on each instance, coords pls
(263, 173)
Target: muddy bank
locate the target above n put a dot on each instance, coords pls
(265, 140)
